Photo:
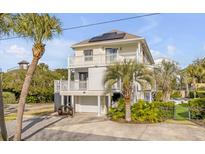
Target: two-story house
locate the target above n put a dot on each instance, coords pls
(84, 88)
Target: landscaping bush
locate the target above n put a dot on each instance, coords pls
(197, 108)
(31, 99)
(117, 113)
(191, 94)
(200, 94)
(166, 109)
(176, 94)
(158, 96)
(143, 111)
(9, 98)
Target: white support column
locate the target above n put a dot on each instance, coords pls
(99, 106)
(109, 101)
(62, 99)
(139, 53)
(69, 74)
(150, 96)
(72, 101)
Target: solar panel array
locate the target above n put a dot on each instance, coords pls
(107, 36)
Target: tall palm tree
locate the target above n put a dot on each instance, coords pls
(127, 72)
(5, 28)
(165, 74)
(39, 28)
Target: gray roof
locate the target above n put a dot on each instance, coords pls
(125, 37)
(23, 62)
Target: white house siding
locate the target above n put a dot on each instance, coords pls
(95, 78)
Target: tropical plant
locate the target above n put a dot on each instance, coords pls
(165, 74)
(127, 73)
(39, 28)
(5, 29)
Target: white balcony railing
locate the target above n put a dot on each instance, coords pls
(100, 59)
(64, 85)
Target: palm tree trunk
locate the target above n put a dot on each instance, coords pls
(127, 109)
(22, 100)
(2, 119)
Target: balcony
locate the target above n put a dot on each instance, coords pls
(98, 60)
(64, 85)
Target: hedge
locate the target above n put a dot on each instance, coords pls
(9, 98)
(144, 111)
(197, 108)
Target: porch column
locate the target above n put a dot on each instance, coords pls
(69, 74)
(99, 106)
(62, 99)
(73, 103)
(109, 101)
(150, 96)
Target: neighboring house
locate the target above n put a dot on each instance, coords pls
(85, 89)
(159, 60)
(22, 65)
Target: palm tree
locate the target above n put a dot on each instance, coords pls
(39, 28)
(127, 72)
(5, 28)
(165, 74)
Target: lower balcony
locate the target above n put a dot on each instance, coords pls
(64, 85)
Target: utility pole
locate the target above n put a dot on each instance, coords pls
(2, 119)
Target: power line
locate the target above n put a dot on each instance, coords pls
(95, 24)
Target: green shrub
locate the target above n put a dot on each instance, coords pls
(200, 94)
(143, 111)
(31, 99)
(176, 94)
(197, 108)
(117, 113)
(191, 94)
(158, 96)
(166, 109)
(9, 98)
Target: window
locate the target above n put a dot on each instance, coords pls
(88, 55)
(111, 54)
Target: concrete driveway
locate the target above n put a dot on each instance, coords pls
(86, 127)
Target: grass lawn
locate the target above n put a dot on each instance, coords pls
(181, 112)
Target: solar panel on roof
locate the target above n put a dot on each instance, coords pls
(107, 36)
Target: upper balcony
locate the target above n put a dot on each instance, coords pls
(98, 60)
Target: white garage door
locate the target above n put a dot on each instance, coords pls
(87, 104)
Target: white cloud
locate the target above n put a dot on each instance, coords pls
(171, 49)
(17, 50)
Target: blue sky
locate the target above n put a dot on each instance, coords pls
(180, 37)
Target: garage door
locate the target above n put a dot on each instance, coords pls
(87, 104)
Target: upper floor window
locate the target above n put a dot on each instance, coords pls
(88, 55)
(111, 54)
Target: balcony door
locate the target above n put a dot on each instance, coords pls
(111, 55)
(83, 77)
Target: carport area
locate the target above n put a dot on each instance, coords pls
(89, 127)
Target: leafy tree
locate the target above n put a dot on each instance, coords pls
(5, 29)
(39, 28)
(127, 72)
(165, 75)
